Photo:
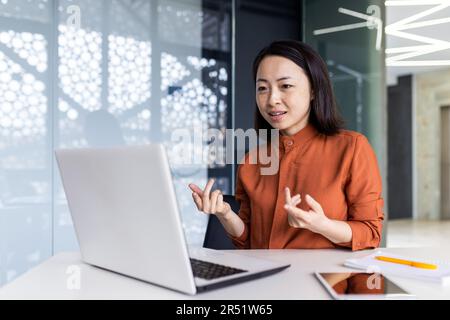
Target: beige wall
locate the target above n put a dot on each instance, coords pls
(432, 91)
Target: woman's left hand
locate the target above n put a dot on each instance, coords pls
(313, 219)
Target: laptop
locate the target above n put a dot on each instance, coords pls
(126, 218)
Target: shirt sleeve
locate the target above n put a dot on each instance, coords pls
(242, 242)
(363, 192)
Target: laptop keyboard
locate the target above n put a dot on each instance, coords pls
(209, 271)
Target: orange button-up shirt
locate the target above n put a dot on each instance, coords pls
(340, 172)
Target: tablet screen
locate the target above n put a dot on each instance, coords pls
(360, 283)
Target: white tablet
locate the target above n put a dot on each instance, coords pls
(361, 286)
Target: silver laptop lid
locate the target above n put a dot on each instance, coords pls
(124, 221)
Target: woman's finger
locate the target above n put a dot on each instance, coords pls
(208, 187)
(293, 222)
(206, 195)
(198, 201)
(214, 196)
(296, 200)
(297, 213)
(287, 194)
(219, 205)
(196, 189)
(313, 204)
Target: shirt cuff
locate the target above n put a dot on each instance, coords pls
(363, 236)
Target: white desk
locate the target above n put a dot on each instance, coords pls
(49, 280)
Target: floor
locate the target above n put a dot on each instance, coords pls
(411, 233)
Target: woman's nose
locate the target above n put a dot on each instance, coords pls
(274, 98)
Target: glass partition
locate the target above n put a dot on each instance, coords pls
(349, 35)
(79, 73)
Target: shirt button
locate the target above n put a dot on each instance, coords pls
(289, 143)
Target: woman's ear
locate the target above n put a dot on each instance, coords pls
(311, 95)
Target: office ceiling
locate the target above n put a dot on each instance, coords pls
(428, 27)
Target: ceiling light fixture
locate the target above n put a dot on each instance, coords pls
(397, 56)
(372, 21)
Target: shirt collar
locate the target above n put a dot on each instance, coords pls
(299, 138)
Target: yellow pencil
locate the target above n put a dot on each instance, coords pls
(414, 264)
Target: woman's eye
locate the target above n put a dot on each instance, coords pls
(261, 88)
(286, 86)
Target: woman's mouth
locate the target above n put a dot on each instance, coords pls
(277, 115)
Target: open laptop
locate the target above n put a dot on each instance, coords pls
(126, 218)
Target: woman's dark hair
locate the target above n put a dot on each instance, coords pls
(324, 115)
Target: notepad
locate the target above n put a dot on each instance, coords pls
(369, 263)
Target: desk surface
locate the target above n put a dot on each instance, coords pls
(49, 279)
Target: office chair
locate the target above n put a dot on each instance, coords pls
(216, 237)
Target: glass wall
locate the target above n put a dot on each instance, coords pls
(350, 38)
(25, 136)
(78, 73)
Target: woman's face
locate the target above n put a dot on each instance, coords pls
(283, 94)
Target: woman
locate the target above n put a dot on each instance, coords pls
(332, 172)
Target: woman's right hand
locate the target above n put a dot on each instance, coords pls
(209, 202)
